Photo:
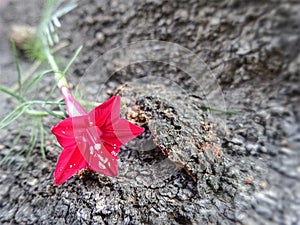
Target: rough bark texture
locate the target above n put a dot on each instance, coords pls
(252, 47)
(179, 127)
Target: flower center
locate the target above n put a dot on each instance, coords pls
(89, 141)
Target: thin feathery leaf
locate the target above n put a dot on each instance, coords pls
(28, 148)
(33, 139)
(34, 49)
(42, 138)
(72, 60)
(16, 140)
(53, 10)
(35, 80)
(20, 110)
(64, 10)
(12, 94)
(13, 115)
(206, 108)
(15, 54)
(26, 76)
(51, 94)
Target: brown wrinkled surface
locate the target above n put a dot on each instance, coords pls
(180, 128)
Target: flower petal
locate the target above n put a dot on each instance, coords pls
(69, 163)
(102, 161)
(106, 113)
(120, 132)
(68, 129)
(64, 132)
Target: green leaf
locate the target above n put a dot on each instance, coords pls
(15, 141)
(12, 94)
(72, 60)
(15, 54)
(36, 79)
(42, 138)
(205, 108)
(14, 115)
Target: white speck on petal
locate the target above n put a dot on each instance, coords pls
(102, 159)
(101, 165)
(114, 153)
(97, 146)
(105, 160)
(64, 132)
(91, 150)
(91, 123)
(71, 166)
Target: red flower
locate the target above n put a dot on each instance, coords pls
(91, 140)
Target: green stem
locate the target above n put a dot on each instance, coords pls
(58, 76)
(42, 113)
(36, 65)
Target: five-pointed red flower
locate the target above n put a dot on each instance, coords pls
(92, 140)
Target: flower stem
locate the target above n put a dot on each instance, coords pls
(73, 107)
(37, 64)
(58, 75)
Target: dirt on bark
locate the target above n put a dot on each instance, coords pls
(249, 174)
